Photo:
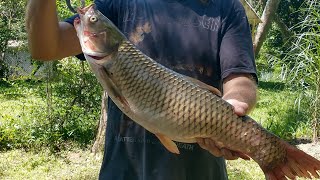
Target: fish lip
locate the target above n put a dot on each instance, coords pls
(98, 58)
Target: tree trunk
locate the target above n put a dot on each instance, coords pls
(2, 66)
(100, 137)
(263, 28)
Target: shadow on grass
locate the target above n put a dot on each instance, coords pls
(4, 84)
(298, 141)
(271, 85)
(13, 96)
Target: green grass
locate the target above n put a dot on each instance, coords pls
(244, 170)
(71, 165)
(81, 164)
(278, 109)
(21, 111)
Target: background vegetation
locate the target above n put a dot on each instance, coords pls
(48, 123)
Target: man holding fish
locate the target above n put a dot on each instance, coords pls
(209, 40)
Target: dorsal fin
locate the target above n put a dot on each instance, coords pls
(205, 86)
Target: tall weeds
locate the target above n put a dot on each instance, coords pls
(303, 60)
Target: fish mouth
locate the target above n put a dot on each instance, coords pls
(97, 57)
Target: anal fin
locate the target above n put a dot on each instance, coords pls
(168, 143)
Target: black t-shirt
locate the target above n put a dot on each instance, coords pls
(207, 41)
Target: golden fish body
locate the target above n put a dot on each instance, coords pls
(168, 103)
(177, 107)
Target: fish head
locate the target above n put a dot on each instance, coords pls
(98, 36)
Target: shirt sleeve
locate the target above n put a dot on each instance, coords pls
(236, 50)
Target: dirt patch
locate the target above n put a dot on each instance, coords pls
(311, 148)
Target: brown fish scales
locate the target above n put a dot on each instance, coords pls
(177, 107)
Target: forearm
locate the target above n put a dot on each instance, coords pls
(240, 87)
(42, 27)
(48, 38)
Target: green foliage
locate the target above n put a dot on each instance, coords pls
(11, 21)
(303, 59)
(63, 10)
(32, 117)
(277, 44)
(289, 12)
(19, 111)
(295, 61)
(76, 99)
(63, 107)
(5, 33)
(11, 26)
(279, 112)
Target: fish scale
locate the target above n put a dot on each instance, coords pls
(221, 123)
(176, 107)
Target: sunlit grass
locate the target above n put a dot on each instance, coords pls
(77, 164)
(279, 111)
(244, 170)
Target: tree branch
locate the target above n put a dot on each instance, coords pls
(263, 28)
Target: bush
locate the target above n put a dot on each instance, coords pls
(304, 61)
(51, 112)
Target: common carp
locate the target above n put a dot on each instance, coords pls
(178, 108)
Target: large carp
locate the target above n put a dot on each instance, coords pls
(177, 107)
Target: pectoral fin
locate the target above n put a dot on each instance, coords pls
(168, 143)
(107, 83)
(205, 86)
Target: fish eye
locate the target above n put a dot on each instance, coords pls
(93, 19)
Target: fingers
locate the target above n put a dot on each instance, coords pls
(207, 145)
(211, 146)
(228, 154)
(240, 108)
(242, 155)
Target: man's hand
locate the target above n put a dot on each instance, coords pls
(240, 92)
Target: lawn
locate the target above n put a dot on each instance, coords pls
(76, 164)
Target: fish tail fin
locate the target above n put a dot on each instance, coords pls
(296, 164)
